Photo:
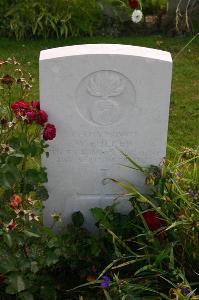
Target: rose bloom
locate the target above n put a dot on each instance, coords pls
(31, 116)
(49, 132)
(15, 200)
(153, 220)
(41, 117)
(133, 4)
(35, 104)
(137, 16)
(20, 107)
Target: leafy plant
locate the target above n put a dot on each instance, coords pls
(21, 182)
(155, 247)
(58, 18)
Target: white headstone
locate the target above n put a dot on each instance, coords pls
(103, 99)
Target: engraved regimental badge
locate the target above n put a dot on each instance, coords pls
(103, 97)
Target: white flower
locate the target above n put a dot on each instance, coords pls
(136, 16)
(11, 124)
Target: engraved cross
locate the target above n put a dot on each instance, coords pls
(102, 195)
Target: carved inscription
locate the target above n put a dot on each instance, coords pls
(91, 146)
(103, 97)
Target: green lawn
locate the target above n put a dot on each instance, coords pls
(184, 111)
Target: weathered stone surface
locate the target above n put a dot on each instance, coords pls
(102, 98)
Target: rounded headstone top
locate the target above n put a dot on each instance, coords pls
(104, 49)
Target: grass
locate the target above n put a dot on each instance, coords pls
(184, 109)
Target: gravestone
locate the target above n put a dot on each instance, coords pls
(103, 99)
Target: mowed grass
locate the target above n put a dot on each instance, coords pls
(184, 109)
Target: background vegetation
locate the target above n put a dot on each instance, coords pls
(64, 18)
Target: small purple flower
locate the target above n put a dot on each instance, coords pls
(105, 281)
(185, 291)
(191, 193)
(178, 174)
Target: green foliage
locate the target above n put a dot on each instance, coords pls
(154, 7)
(59, 18)
(153, 252)
(156, 257)
(63, 18)
(21, 188)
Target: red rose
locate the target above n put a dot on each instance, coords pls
(31, 116)
(153, 220)
(15, 200)
(49, 132)
(35, 104)
(20, 105)
(134, 4)
(41, 117)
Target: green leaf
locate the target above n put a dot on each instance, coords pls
(48, 292)
(78, 219)
(132, 191)
(15, 159)
(9, 179)
(52, 259)
(31, 234)
(25, 296)
(15, 143)
(143, 269)
(177, 223)
(42, 193)
(8, 240)
(107, 295)
(101, 216)
(16, 284)
(33, 176)
(7, 265)
(34, 267)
